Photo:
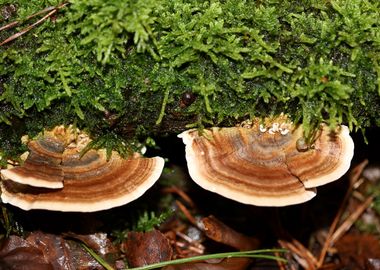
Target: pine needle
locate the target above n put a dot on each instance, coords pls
(257, 254)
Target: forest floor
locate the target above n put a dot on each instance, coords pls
(338, 229)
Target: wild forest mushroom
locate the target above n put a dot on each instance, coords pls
(42, 166)
(261, 164)
(90, 183)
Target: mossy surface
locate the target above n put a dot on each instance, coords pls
(135, 68)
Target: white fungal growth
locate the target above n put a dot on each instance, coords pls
(274, 128)
(25, 139)
(284, 128)
(246, 124)
(284, 131)
(262, 128)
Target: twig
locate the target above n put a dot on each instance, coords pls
(191, 248)
(221, 233)
(13, 24)
(346, 225)
(280, 264)
(6, 222)
(180, 193)
(29, 27)
(296, 253)
(198, 247)
(306, 253)
(355, 174)
(9, 25)
(186, 212)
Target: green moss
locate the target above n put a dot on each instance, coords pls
(122, 67)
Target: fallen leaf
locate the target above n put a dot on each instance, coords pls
(54, 248)
(17, 253)
(42, 251)
(355, 249)
(99, 242)
(147, 248)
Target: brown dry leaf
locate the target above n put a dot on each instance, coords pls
(16, 253)
(54, 248)
(80, 258)
(101, 244)
(355, 249)
(98, 242)
(42, 251)
(147, 248)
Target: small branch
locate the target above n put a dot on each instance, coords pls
(346, 225)
(186, 212)
(9, 25)
(297, 254)
(300, 253)
(309, 257)
(13, 24)
(180, 193)
(221, 233)
(29, 27)
(354, 177)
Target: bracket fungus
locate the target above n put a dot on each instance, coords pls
(42, 166)
(260, 164)
(85, 183)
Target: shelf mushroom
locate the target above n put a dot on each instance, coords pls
(42, 166)
(89, 183)
(266, 164)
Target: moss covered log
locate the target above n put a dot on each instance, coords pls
(132, 69)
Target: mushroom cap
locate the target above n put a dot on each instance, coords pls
(263, 167)
(328, 160)
(42, 166)
(56, 176)
(90, 183)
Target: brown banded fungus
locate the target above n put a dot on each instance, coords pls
(42, 166)
(90, 182)
(260, 164)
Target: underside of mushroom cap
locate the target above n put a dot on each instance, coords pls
(262, 166)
